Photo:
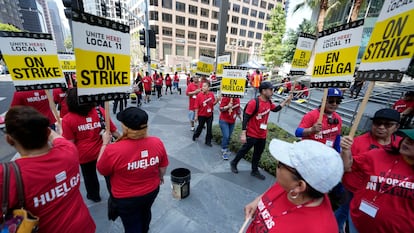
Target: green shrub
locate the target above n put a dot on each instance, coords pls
(267, 162)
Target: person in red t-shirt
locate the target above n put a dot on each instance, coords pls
(382, 183)
(329, 130)
(204, 109)
(405, 107)
(213, 77)
(176, 81)
(254, 127)
(192, 90)
(229, 110)
(136, 165)
(168, 83)
(59, 97)
(288, 85)
(158, 84)
(37, 100)
(147, 81)
(49, 168)
(188, 79)
(83, 125)
(299, 193)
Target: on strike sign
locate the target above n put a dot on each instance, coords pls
(102, 58)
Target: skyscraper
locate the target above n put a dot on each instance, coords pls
(57, 25)
(9, 13)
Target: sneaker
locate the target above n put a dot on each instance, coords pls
(233, 167)
(209, 144)
(94, 199)
(194, 138)
(225, 156)
(258, 175)
(192, 129)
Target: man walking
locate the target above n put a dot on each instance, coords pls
(254, 127)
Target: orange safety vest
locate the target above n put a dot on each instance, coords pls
(256, 80)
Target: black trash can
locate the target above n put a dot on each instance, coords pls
(180, 182)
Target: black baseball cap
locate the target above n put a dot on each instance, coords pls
(387, 114)
(265, 85)
(133, 118)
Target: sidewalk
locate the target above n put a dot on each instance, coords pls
(217, 196)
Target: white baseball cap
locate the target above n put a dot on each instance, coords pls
(319, 165)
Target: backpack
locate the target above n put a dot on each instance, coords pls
(256, 109)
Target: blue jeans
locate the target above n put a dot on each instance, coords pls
(226, 131)
(351, 227)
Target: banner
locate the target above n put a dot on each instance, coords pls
(233, 81)
(102, 58)
(391, 47)
(222, 61)
(32, 60)
(67, 62)
(302, 54)
(205, 65)
(336, 53)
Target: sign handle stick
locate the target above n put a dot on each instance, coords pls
(53, 108)
(322, 110)
(244, 225)
(361, 109)
(108, 116)
(70, 79)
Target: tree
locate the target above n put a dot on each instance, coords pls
(273, 48)
(292, 39)
(68, 43)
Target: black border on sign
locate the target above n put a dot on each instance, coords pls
(234, 68)
(35, 87)
(206, 55)
(232, 95)
(380, 75)
(299, 72)
(102, 97)
(94, 20)
(337, 84)
(31, 35)
(342, 27)
(307, 35)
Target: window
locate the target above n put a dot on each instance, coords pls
(167, 49)
(233, 31)
(205, 2)
(263, 4)
(155, 29)
(236, 8)
(179, 6)
(245, 11)
(192, 9)
(270, 6)
(203, 24)
(253, 13)
(235, 19)
(204, 12)
(179, 50)
(192, 35)
(241, 43)
(191, 52)
(267, 16)
(249, 44)
(213, 38)
(260, 25)
(242, 32)
(216, 3)
(166, 17)
(180, 20)
(154, 15)
(266, 28)
(192, 23)
(261, 15)
(167, 4)
(255, 2)
(252, 23)
(250, 34)
(243, 21)
(153, 2)
(214, 15)
(246, 1)
(214, 27)
(179, 33)
(258, 35)
(203, 37)
(166, 31)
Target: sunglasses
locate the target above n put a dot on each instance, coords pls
(386, 124)
(290, 169)
(334, 101)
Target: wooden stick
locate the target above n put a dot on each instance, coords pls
(108, 116)
(322, 111)
(231, 109)
(361, 109)
(53, 107)
(244, 225)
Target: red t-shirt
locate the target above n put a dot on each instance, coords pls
(190, 88)
(59, 97)
(158, 81)
(133, 166)
(229, 116)
(401, 105)
(305, 91)
(269, 216)
(298, 87)
(188, 80)
(51, 187)
(168, 81)
(84, 131)
(366, 142)
(205, 104)
(176, 78)
(329, 131)
(257, 125)
(373, 174)
(147, 83)
(289, 85)
(35, 99)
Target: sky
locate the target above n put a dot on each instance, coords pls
(293, 20)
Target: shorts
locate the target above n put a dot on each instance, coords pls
(147, 92)
(191, 115)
